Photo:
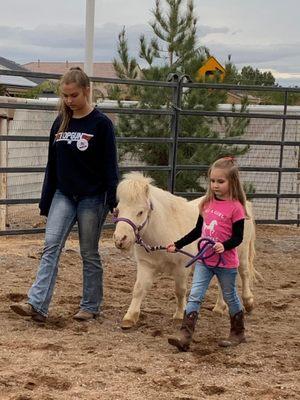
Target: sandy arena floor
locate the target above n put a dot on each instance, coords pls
(65, 359)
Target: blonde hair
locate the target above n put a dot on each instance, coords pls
(236, 191)
(73, 75)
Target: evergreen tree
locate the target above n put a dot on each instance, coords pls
(251, 76)
(173, 48)
(231, 72)
(2, 90)
(46, 86)
(247, 76)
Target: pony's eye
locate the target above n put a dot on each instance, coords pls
(140, 213)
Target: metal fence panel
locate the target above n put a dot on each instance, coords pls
(272, 162)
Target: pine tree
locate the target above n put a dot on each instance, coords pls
(251, 76)
(173, 48)
(2, 90)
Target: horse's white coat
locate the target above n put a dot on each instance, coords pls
(171, 218)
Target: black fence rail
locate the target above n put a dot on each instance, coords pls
(177, 84)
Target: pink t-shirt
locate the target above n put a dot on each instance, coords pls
(218, 217)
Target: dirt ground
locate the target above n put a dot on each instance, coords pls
(65, 359)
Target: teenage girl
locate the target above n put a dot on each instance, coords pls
(79, 186)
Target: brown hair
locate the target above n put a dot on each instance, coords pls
(73, 75)
(236, 191)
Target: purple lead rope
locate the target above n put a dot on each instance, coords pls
(208, 244)
(201, 256)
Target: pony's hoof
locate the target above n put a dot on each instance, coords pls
(177, 320)
(249, 306)
(220, 310)
(127, 324)
(177, 317)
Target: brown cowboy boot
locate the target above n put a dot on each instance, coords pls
(183, 340)
(237, 331)
(83, 315)
(27, 310)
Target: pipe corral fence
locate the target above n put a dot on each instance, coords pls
(271, 164)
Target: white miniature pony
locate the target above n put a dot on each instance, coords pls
(159, 218)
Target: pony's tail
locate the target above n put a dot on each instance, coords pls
(254, 274)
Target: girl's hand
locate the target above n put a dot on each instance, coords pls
(171, 248)
(218, 248)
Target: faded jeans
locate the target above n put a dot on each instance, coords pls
(201, 279)
(89, 212)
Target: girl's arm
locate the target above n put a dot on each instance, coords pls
(111, 164)
(237, 235)
(192, 235)
(49, 183)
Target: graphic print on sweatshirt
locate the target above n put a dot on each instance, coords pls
(81, 139)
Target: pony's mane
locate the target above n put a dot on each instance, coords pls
(133, 186)
(138, 177)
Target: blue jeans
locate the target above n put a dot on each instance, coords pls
(201, 279)
(90, 213)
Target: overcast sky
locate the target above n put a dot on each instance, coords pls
(261, 33)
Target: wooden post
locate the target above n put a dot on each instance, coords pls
(3, 176)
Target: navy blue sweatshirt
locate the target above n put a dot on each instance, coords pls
(81, 161)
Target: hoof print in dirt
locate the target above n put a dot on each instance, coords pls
(16, 297)
(213, 389)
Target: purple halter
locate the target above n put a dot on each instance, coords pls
(136, 228)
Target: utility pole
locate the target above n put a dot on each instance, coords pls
(89, 39)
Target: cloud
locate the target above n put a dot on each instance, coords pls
(285, 75)
(57, 42)
(64, 41)
(71, 38)
(61, 42)
(60, 36)
(263, 56)
(205, 30)
(285, 78)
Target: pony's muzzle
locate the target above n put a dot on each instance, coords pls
(120, 242)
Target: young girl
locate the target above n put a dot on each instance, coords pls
(79, 186)
(221, 218)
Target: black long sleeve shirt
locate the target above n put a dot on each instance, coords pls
(235, 240)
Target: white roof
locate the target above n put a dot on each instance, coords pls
(16, 81)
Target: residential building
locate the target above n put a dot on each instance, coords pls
(15, 85)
